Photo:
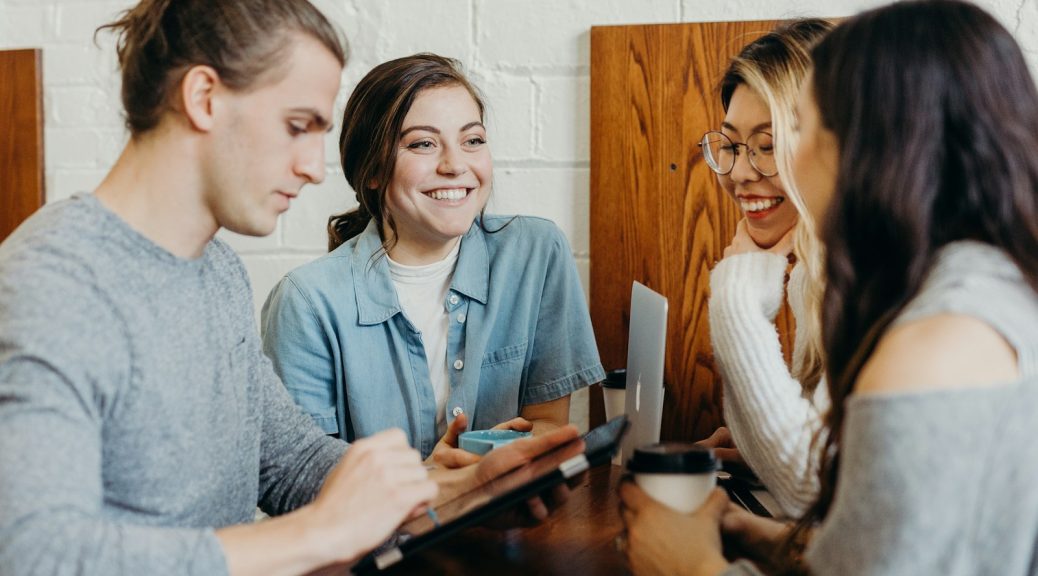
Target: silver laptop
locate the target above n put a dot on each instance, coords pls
(646, 345)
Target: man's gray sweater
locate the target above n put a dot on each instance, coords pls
(137, 410)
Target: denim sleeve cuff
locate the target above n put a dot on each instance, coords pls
(329, 424)
(564, 386)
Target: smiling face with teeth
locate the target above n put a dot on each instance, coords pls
(762, 199)
(442, 175)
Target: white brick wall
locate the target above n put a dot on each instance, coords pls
(530, 57)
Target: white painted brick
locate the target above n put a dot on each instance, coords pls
(61, 184)
(331, 140)
(554, 33)
(76, 22)
(75, 107)
(387, 29)
(243, 244)
(24, 26)
(78, 64)
(564, 114)
(708, 11)
(1027, 32)
(558, 194)
(305, 225)
(71, 147)
(510, 118)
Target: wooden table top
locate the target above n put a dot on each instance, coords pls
(578, 538)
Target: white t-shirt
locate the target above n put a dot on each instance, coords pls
(422, 291)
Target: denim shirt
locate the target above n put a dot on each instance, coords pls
(519, 334)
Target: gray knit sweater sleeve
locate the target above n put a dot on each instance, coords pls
(296, 455)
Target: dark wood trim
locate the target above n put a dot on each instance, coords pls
(21, 137)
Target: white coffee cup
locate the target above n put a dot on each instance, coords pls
(614, 401)
(680, 475)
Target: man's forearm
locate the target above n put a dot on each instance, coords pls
(286, 545)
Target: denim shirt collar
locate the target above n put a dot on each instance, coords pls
(376, 296)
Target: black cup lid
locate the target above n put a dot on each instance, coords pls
(672, 458)
(615, 379)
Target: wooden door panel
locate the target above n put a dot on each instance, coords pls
(21, 137)
(657, 213)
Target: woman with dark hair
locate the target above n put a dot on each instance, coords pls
(915, 155)
(428, 314)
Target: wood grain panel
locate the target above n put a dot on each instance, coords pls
(657, 213)
(21, 137)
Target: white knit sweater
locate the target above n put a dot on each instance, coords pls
(771, 421)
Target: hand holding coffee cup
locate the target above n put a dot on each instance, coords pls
(680, 475)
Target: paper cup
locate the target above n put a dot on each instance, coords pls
(678, 474)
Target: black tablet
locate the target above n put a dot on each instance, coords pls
(511, 489)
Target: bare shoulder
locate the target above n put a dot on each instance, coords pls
(938, 352)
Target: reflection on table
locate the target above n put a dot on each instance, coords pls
(578, 538)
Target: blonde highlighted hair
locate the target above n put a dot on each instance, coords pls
(774, 66)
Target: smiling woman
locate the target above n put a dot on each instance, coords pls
(442, 176)
(428, 314)
(772, 410)
(746, 133)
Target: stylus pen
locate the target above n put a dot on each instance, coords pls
(432, 516)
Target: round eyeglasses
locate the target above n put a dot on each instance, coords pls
(721, 153)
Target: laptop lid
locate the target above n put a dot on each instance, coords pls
(646, 345)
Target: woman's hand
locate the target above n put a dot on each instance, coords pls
(507, 458)
(723, 446)
(662, 541)
(378, 484)
(747, 535)
(743, 243)
(448, 455)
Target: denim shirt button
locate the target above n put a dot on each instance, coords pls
(461, 318)
(458, 364)
(453, 299)
(457, 411)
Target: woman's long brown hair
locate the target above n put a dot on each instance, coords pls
(936, 119)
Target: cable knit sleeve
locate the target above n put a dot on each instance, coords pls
(771, 422)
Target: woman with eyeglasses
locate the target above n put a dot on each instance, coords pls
(772, 412)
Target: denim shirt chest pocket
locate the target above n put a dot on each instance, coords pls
(505, 365)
